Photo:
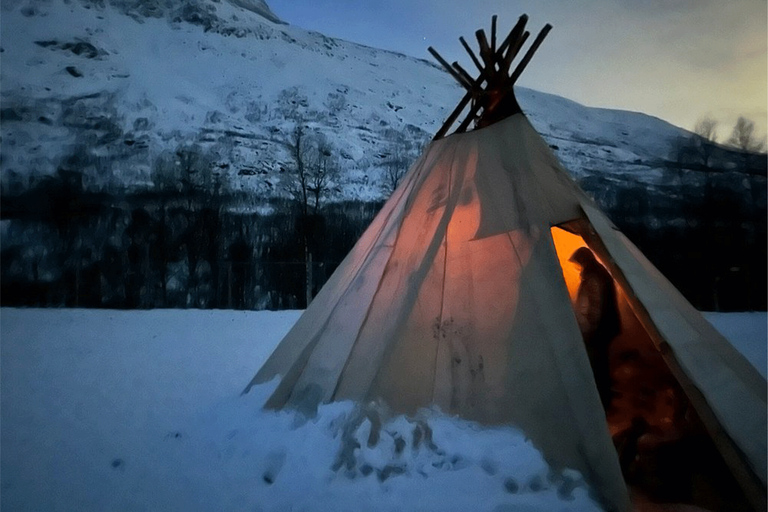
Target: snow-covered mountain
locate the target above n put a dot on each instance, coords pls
(115, 84)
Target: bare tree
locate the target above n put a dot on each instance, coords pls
(167, 184)
(297, 183)
(323, 172)
(191, 174)
(706, 129)
(310, 177)
(314, 169)
(743, 136)
(397, 163)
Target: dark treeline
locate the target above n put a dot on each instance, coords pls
(66, 246)
(199, 244)
(703, 229)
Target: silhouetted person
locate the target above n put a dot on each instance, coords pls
(597, 312)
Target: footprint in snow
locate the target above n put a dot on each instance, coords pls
(274, 464)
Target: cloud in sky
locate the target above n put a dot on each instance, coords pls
(675, 59)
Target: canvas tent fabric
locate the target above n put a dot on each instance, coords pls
(454, 297)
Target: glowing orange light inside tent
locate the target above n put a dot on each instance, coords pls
(465, 219)
(645, 382)
(566, 244)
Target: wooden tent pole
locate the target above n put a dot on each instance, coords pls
(493, 33)
(512, 52)
(485, 53)
(529, 54)
(471, 54)
(470, 117)
(518, 28)
(453, 116)
(493, 63)
(453, 73)
(466, 76)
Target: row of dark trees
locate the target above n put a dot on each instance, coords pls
(708, 236)
(723, 189)
(160, 249)
(188, 239)
(185, 240)
(743, 136)
(178, 255)
(704, 223)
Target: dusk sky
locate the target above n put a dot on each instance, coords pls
(675, 59)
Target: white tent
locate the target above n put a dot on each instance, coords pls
(457, 296)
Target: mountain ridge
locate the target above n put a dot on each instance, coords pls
(128, 80)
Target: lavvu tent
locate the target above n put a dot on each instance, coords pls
(458, 296)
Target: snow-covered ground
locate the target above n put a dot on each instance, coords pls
(747, 332)
(141, 410)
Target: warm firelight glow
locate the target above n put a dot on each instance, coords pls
(566, 244)
(641, 378)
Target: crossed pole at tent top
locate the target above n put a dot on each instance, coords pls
(490, 95)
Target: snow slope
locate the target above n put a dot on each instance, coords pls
(124, 82)
(140, 410)
(108, 410)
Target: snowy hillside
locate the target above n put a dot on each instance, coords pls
(119, 84)
(140, 410)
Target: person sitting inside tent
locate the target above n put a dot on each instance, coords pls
(597, 313)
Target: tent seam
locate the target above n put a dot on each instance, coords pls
(383, 355)
(406, 198)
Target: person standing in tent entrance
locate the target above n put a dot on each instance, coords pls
(597, 312)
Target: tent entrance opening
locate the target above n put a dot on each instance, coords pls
(664, 451)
